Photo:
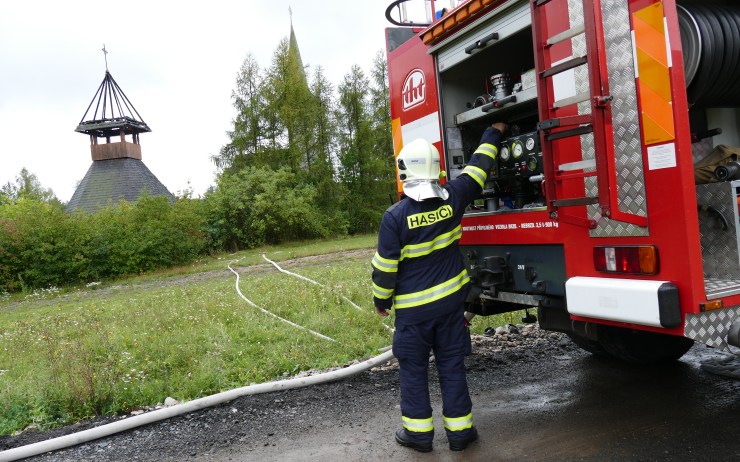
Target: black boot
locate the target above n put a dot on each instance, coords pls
(462, 443)
(404, 439)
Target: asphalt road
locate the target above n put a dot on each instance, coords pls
(536, 397)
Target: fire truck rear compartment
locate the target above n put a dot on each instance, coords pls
(486, 74)
(710, 36)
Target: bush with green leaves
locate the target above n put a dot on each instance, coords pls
(150, 233)
(41, 245)
(257, 205)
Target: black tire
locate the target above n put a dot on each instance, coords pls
(641, 347)
(592, 346)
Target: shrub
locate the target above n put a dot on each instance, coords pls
(258, 206)
(150, 233)
(41, 245)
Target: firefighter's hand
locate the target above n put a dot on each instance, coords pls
(381, 312)
(500, 126)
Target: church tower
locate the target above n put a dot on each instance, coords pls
(117, 171)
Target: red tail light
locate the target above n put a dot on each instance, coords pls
(634, 259)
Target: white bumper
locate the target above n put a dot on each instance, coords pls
(649, 303)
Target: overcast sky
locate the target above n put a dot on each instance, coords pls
(176, 61)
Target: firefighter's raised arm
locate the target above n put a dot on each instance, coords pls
(483, 158)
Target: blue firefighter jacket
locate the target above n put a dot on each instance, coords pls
(418, 268)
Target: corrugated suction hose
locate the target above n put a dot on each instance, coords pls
(710, 38)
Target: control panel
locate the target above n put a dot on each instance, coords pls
(520, 156)
(516, 177)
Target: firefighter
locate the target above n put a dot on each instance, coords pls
(419, 271)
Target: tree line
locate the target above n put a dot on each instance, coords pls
(304, 160)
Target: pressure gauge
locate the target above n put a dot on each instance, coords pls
(517, 149)
(532, 164)
(530, 144)
(505, 153)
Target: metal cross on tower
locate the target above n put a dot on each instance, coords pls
(105, 54)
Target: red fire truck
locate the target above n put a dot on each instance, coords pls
(597, 212)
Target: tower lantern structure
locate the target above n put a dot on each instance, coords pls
(114, 117)
(117, 171)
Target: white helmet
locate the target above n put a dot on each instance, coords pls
(418, 168)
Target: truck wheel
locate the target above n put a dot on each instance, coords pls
(592, 346)
(637, 346)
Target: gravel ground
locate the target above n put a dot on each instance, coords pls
(255, 422)
(536, 397)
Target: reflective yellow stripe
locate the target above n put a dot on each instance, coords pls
(425, 248)
(435, 293)
(385, 264)
(418, 425)
(488, 150)
(456, 424)
(478, 174)
(381, 292)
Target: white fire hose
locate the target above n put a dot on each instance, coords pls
(129, 423)
(185, 408)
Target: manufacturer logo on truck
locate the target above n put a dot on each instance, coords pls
(414, 89)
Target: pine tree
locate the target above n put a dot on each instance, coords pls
(246, 139)
(340, 146)
(321, 153)
(355, 149)
(383, 155)
(274, 92)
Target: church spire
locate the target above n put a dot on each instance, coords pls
(293, 45)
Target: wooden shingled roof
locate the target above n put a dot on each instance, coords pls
(109, 181)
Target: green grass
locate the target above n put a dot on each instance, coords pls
(70, 354)
(254, 256)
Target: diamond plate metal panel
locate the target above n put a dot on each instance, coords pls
(581, 74)
(719, 239)
(711, 327)
(701, 149)
(626, 125)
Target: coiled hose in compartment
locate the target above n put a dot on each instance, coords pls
(710, 38)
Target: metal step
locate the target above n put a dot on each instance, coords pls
(565, 35)
(717, 288)
(575, 201)
(564, 66)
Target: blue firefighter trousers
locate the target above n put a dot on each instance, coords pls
(449, 339)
